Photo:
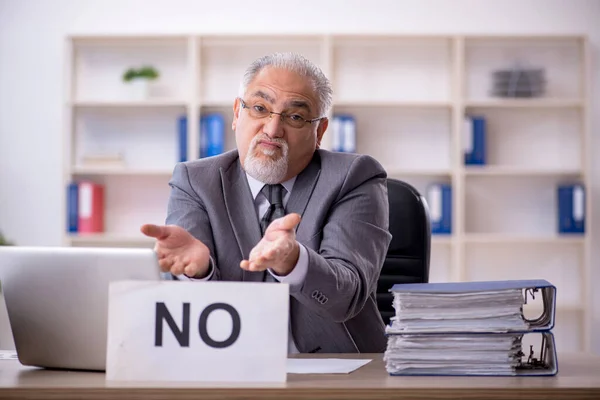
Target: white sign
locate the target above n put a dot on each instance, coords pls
(197, 331)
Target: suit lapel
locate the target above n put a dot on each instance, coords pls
(303, 188)
(242, 214)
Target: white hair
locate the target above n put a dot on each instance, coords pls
(296, 63)
(268, 171)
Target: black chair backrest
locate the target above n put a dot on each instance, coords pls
(407, 259)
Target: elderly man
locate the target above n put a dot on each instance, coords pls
(280, 209)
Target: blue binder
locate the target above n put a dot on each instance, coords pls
(545, 365)
(73, 207)
(182, 135)
(344, 133)
(475, 140)
(212, 135)
(439, 201)
(571, 208)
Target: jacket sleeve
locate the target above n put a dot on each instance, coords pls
(185, 209)
(343, 273)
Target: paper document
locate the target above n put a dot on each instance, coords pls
(8, 355)
(323, 365)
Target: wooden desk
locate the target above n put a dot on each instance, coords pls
(578, 378)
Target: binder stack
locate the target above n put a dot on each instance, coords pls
(470, 328)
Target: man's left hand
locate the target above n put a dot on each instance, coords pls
(278, 249)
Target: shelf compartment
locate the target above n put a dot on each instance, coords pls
(440, 263)
(387, 69)
(519, 205)
(402, 139)
(560, 265)
(146, 139)
(224, 60)
(532, 139)
(227, 112)
(99, 66)
(129, 202)
(561, 58)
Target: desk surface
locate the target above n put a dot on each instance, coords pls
(578, 378)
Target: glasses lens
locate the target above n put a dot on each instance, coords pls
(259, 112)
(294, 121)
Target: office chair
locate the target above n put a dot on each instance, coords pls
(407, 259)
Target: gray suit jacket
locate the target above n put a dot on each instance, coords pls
(342, 199)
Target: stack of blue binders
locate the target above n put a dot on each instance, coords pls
(471, 328)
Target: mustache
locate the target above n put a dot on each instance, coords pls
(279, 141)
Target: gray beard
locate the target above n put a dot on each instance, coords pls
(266, 170)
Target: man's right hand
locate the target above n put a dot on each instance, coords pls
(178, 251)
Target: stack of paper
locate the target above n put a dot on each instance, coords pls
(494, 311)
(473, 328)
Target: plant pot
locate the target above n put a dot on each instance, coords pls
(139, 89)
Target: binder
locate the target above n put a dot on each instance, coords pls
(182, 138)
(90, 207)
(344, 133)
(439, 200)
(73, 207)
(212, 135)
(571, 208)
(474, 140)
(524, 361)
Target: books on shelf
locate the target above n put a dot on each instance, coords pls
(439, 200)
(470, 328)
(85, 207)
(571, 208)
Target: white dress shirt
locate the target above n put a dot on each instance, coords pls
(296, 277)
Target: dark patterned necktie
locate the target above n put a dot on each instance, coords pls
(274, 194)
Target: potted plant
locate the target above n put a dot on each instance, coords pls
(139, 80)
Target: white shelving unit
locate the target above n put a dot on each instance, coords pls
(409, 96)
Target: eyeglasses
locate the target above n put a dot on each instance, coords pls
(294, 120)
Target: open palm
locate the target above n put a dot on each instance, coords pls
(178, 251)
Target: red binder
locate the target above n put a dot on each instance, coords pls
(91, 207)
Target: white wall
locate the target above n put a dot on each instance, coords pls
(31, 69)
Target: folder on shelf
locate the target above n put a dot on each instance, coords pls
(474, 140)
(344, 133)
(182, 135)
(471, 328)
(571, 208)
(91, 207)
(212, 135)
(73, 207)
(439, 200)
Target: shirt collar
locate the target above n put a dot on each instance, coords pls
(256, 185)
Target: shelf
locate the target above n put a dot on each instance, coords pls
(525, 103)
(401, 172)
(409, 96)
(110, 239)
(121, 171)
(517, 239)
(506, 171)
(394, 103)
(151, 103)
